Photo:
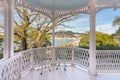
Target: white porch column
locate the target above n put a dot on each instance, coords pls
(53, 34)
(92, 47)
(53, 39)
(8, 28)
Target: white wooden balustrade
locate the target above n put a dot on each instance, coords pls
(63, 55)
(10, 69)
(81, 57)
(25, 61)
(108, 60)
(42, 57)
(15, 67)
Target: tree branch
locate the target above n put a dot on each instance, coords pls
(19, 13)
(34, 19)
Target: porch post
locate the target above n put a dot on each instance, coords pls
(53, 38)
(8, 6)
(92, 47)
(53, 34)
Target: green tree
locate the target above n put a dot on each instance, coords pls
(31, 28)
(25, 30)
(103, 41)
(116, 23)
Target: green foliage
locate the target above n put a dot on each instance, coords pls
(1, 56)
(45, 40)
(30, 29)
(1, 38)
(103, 41)
(84, 42)
(116, 23)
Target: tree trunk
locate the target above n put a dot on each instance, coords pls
(24, 44)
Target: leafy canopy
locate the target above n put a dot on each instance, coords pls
(103, 41)
(116, 23)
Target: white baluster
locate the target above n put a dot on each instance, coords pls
(32, 59)
(73, 62)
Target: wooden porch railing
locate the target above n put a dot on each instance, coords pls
(25, 61)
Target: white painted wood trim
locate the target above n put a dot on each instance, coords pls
(8, 6)
(92, 47)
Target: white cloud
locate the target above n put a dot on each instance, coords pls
(107, 28)
(83, 19)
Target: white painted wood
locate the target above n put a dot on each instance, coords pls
(99, 5)
(53, 33)
(23, 62)
(53, 37)
(73, 61)
(8, 28)
(92, 47)
(32, 59)
(72, 73)
(108, 61)
(81, 57)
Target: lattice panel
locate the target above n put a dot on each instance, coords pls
(10, 69)
(26, 60)
(81, 57)
(108, 60)
(63, 55)
(42, 56)
(13, 68)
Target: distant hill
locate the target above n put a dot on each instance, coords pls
(66, 34)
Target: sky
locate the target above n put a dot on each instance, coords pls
(80, 23)
(104, 21)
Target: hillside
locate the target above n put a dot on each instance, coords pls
(66, 34)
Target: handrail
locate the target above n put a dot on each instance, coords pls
(24, 61)
(14, 67)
